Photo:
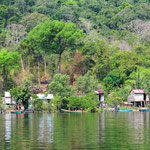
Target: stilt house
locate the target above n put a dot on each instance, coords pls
(100, 93)
(138, 97)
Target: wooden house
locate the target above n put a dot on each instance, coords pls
(100, 94)
(138, 97)
(7, 98)
(45, 97)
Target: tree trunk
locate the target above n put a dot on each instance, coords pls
(28, 64)
(22, 64)
(45, 67)
(4, 76)
(38, 72)
(59, 63)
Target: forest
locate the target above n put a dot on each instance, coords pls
(73, 47)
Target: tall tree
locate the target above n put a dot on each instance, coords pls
(60, 87)
(54, 37)
(21, 94)
(86, 84)
(8, 61)
(32, 20)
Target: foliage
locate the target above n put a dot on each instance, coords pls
(1, 103)
(56, 103)
(127, 108)
(8, 62)
(114, 100)
(101, 59)
(54, 37)
(86, 84)
(38, 104)
(89, 101)
(21, 94)
(111, 81)
(60, 86)
(32, 20)
(109, 38)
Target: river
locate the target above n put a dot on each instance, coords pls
(105, 131)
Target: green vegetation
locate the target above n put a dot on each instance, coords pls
(21, 94)
(8, 62)
(93, 44)
(88, 102)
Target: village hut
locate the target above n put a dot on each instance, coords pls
(45, 97)
(100, 94)
(7, 98)
(138, 97)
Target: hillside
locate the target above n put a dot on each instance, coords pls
(104, 41)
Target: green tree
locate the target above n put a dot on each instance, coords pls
(111, 81)
(21, 95)
(138, 79)
(32, 20)
(53, 37)
(114, 100)
(38, 103)
(124, 63)
(60, 86)
(102, 59)
(86, 84)
(3, 13)
(89, 101)
(8, 62)
(56, 103)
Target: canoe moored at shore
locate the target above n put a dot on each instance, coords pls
(125, 110)
(16, 111)
(144, 109)
(71, 111)
(28, 111)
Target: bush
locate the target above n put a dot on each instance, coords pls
(89, 101)
(38, 104)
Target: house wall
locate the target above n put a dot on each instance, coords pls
(147, 98)
(138, 97)
(130, 98)
(7, 100)
(102, 98)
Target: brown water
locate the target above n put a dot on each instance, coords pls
(106, 131)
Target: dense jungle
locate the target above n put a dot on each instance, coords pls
(71, 48)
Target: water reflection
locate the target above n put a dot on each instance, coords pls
(139, 125)
(8, 128)
(46, 128)
(75, 131)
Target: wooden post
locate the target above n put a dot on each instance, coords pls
(144, 103)
(99, 100)
(38, 72)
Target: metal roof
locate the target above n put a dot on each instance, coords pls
(100, 92)
(137, 91)
(45, 96)
(7, 94)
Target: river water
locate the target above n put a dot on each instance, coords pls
(105, 131)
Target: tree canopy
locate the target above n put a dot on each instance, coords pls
(54, 37)
(8, 62)
(108, 38)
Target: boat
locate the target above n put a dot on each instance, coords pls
(71, 111)
(16, 111)
(28, 111)
(126, 110)
(146, 109)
